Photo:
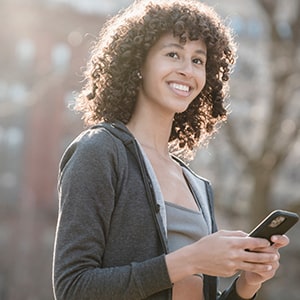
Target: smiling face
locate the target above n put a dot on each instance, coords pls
(173, 74)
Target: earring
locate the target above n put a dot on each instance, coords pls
(139, 75)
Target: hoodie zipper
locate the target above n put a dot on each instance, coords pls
(155, 207)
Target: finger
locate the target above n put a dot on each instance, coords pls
(272, 269)
(263, 269)
(255, 243)
(271, 249)
(236, 233)
(257, 268)
(261, 258)
(280, 241)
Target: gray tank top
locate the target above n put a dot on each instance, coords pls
(184, 226)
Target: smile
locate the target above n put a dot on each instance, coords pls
(180, 87)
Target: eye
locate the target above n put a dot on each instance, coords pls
(173, 55)
(198, 61)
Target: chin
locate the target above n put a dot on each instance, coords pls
(181, 110)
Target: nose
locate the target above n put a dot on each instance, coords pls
(186, 69)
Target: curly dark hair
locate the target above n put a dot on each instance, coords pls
(112, 80)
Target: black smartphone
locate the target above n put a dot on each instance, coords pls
(277, 222)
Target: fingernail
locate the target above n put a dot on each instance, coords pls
(269, 268)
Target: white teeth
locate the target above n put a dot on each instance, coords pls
(180, 87)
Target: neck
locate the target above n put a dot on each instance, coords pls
(152, 135)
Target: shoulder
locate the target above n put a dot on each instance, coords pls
(104, 136)
(95, 139)
(92, 146)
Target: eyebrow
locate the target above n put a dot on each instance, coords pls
(199, 51)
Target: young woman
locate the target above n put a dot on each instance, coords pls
(134, 221)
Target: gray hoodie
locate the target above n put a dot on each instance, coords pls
(110, 240)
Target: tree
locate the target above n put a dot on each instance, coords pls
(281, 128)
(252, 159)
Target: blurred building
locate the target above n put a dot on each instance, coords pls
(44, 44)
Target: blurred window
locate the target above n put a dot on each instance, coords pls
(61, 56)
(25, 52)
(14, 137)
(17, 92)
(3, 90)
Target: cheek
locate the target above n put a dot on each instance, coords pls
(158, 70)
(154, 75)
(201, 79)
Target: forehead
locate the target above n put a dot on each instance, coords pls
(169, 40)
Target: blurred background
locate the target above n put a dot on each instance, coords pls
(253, 162)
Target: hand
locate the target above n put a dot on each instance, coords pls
(223, 254)
(258, 277)
(250, 281)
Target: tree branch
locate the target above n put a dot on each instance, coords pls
(235, 142)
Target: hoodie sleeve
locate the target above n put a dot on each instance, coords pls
(84, 224)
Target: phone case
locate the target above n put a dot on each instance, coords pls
(276, 223)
